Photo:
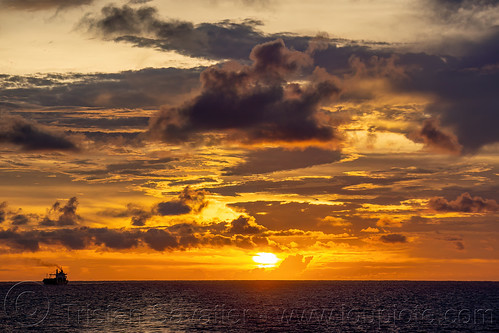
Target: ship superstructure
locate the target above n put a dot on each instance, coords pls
(58, 278)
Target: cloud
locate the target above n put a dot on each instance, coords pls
(59, 215)
(462, 90)
(459, 246)
(189, 201)
(388, 222)
(3, 212)
(276, 159)
(242, 232)
(463, 203)
(468, 14)
(334, 221)
(115, 239)
(370, 229)
(139, 215)
(245, 226)
(19, 219)
(276, 215)
(294, 264)
(148, 87)
(42, 4)
(436, 139)
(31, 136)
(160, 240)
(393, 238)
(143, 28)
(252, 103)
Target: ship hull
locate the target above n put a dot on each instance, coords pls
(55, 281)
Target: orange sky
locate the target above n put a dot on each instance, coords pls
(161, 140)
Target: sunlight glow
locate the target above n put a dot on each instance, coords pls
(265, 259)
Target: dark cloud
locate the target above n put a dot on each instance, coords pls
(31, 136)
(251, 104)
(242, 232)
(460, 77)
(143, 28)
(160, 240)
(115, 239)
(23, 241)
(436, 138)
(138, 214)
(59, 215)
(464, 203)
(393, 238)
(189, 201)
(463, 90)
(42, 4)
(19, 219)
(275, 159)
(460, 246)
(149, 87)
(3, 212)
(245, 226)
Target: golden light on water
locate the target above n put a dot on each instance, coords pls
(265, 259)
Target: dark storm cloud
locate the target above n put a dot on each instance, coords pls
(393, 238)
(31, 136)
(149, 87)
(275, 159)
(464, 203)
(436, 138)
(189, 201)
(42, 4)
(60, 215)
(143, 28)
(251, 104)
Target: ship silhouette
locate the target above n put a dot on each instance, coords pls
(57, 278)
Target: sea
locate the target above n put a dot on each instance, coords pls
(250, 306)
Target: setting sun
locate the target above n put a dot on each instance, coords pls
(265, 259)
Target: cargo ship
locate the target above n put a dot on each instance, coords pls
(57, 278)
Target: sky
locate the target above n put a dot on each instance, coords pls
(249, 139)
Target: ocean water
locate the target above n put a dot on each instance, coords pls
(250, 306)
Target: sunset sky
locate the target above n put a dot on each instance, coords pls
(249, 139)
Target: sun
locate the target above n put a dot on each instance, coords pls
(265, 259)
